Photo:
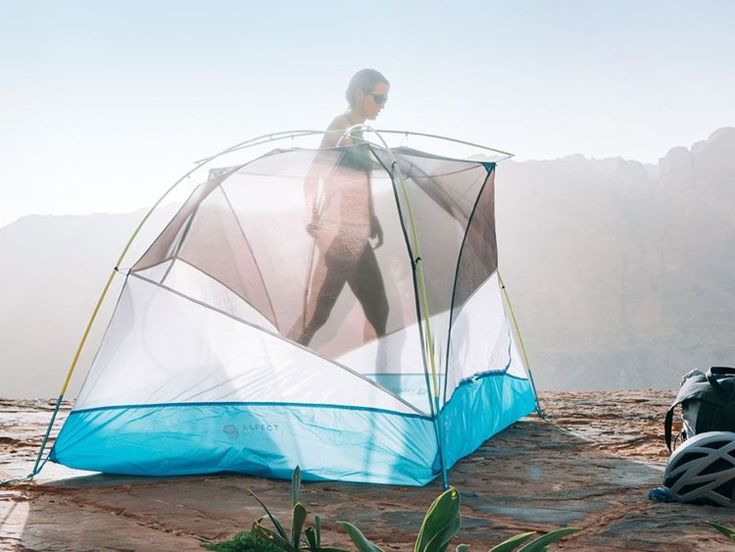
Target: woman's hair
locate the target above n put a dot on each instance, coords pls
(365, 80)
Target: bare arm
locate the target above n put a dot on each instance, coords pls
(338, 124)
(311, 182)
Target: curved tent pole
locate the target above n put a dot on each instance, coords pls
(520, 342)
(93, 316)
(301, 133)
(419, 264)
(444, 138)
(259, 140)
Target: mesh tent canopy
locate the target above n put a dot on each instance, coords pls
(337, 309)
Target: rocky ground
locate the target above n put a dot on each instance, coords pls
(589, 464)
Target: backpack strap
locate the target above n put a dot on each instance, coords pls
(714, 375)
(722, 370)
(694, 386)
(704, 387)
(667, 425)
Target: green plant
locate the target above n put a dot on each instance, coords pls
(536, 545)
(292, 543)
(442, 523)
(244, 541)
(729, 533)
(263, 539)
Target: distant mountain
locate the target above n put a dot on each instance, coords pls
(621, 274)
(53, 271)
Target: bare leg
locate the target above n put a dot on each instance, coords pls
(334, 268)
(367, 285)
(366, 282)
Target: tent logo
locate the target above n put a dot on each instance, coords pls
(260, 427)
(231, 431)
(418, 391)
(234, 432)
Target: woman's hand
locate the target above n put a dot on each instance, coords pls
(312, 228)
(376, 231)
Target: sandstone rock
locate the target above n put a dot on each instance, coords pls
(590, 464)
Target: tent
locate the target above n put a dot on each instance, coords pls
(337, 309)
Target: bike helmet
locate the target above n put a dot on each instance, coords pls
(702, 470)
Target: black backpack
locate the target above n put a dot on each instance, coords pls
(707, 400)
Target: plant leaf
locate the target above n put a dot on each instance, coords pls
(311, 538)
(729, 533)
(274, 520)
(463, 548)
(539, 544)
(272, 537)
(511, 543)
(440, 541)
(318, 523)
(296, 485)
(358, 539)
(299, 517)
(441, 523)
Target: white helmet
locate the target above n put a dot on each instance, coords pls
(702, 469)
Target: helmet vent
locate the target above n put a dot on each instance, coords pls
(691, 456)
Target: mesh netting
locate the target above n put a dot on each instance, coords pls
(316, 252)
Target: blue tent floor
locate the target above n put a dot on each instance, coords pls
(589, 465)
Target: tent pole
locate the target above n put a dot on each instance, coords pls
(440, 442)
(264, 139)
(514, 320)
(423, 293)
(423, 300)
(36, 469)
(507, 154)
(75, 360)
(93, 317)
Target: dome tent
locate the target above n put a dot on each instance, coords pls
(337, 309)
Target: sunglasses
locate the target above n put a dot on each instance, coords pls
(380, 99)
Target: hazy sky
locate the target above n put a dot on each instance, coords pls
(105, 104)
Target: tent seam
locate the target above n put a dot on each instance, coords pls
(252, 403)
(255, 259)
(456, 276)
(180, 245)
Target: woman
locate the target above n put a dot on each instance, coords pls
(343, 217)
(366, 95)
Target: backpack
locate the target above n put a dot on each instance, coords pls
(707, 402)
